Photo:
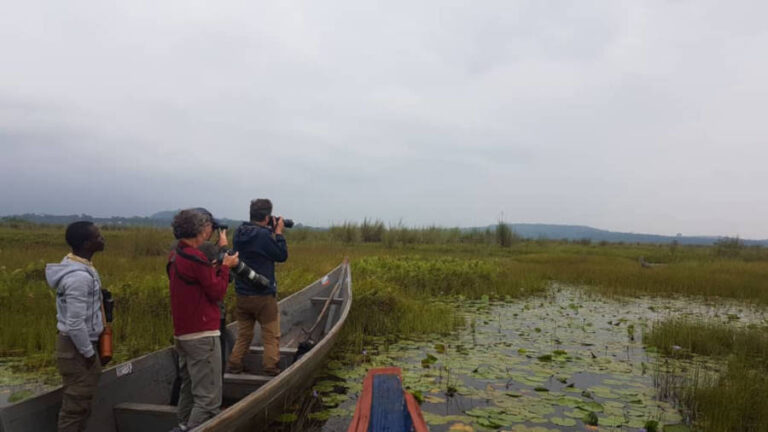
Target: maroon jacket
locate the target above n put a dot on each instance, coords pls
(195, 287)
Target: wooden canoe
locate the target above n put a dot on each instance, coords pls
(385, 406)
(136, 396)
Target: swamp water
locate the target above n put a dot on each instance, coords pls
(16, 386)
(539, 364)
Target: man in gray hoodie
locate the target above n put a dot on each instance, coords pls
(80, 322)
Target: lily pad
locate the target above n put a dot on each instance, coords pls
(288, 418)
(676, 428)
(563, 421)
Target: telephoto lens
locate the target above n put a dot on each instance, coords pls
(288, 223)
(247, 274)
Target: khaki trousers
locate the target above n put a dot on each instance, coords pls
(261, 309)
(79, 382)
(200, 371)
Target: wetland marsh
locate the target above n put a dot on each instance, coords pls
(532, 335)
(542, 363)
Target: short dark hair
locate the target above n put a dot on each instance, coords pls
(260, 209)
(78, 233)
(189, 223)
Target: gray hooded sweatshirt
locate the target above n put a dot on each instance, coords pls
(78, 302)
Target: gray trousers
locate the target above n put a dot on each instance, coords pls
(200, 371)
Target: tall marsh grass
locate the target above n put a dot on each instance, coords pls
(734, 400)
(399, 279)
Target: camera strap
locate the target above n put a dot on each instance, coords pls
(189, 257)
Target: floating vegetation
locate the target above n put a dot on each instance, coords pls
(500, 374)
(287, 418)
(20, 395)
(651, 426)
(443, 300)
(428, 361)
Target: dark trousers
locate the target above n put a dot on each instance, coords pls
(79, 384)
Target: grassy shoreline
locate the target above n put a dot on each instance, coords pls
(398, 283)
(733, 400)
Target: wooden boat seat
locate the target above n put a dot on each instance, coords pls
(238, 386)
(134, 417)
(321, 301)
(284, 351)
(253, 358)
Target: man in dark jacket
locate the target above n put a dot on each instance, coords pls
(80, 323)
(260, 244)
(196, 287)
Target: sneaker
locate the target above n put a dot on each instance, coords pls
(179, 428)
(234, 369)
(272, 371)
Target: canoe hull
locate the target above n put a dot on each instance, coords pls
(150, 379)
(270, 401)
(385, 406)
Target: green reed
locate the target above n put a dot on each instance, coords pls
(398, 281)
(733, 400)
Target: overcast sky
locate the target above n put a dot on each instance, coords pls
(635, 116)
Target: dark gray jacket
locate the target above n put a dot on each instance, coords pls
(259, 248)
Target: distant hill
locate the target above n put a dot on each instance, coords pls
(580, 232)
(47, 219)
(164, 215)
(162, 219)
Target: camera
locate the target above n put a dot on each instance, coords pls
(245, 273)
(272, 222)
(219, 226)
(241, 270)
(109, 304)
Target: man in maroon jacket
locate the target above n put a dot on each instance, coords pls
(196, 287)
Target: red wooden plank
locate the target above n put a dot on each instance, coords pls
(362, 415)
(419, 425)
(363, 409)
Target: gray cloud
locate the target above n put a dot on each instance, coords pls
(637, 116)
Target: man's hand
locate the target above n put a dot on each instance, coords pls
(279, 226)
(231, 260)
(222, 238)
(89, 361)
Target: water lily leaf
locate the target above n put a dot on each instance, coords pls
(20, 395)
(676, 428)
(460, 427)
(574, 413)
(288, 418)
(320, 415)
(591, 406)
(437, 420)
(489, 423)
(333, 399)
(563, 421)
(433, 399)
(612, 421)
(326, 386)
(477, 412)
